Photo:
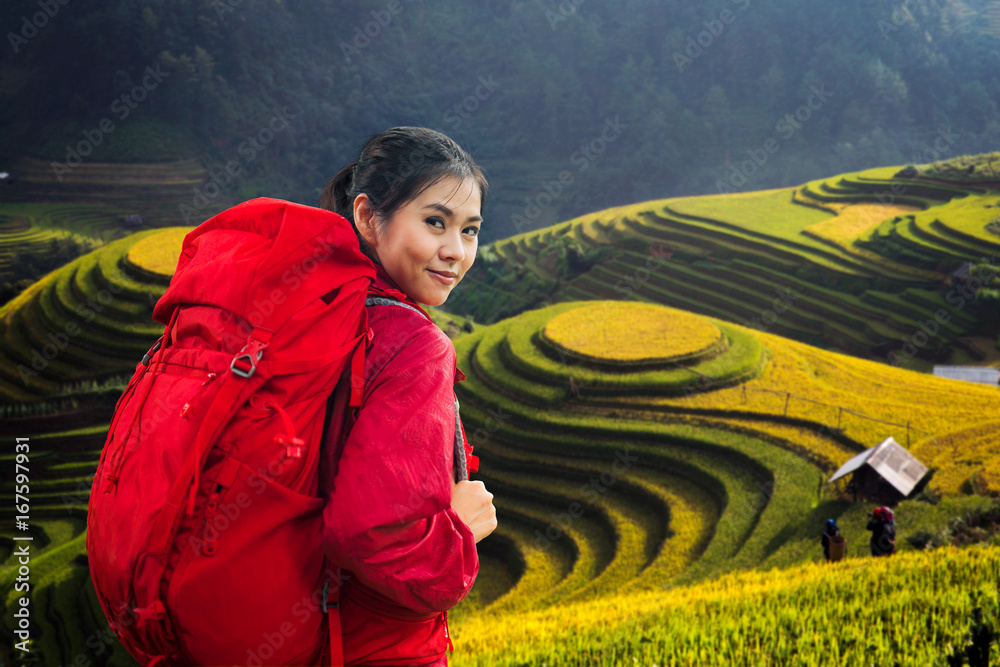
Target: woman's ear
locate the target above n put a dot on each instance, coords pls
(364, 218)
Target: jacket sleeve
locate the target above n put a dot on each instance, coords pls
(389, 518)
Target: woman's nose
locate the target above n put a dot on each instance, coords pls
(453, 249)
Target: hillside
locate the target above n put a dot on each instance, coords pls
(633, 447)
(732, 441)
(627, 467)
(913, 611)
(632, 488)
(89, 320)
(527, 88)
(154, 190)
(861, 263)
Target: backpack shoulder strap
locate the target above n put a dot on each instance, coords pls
(394, 297)
(463, 452)
(388, 301)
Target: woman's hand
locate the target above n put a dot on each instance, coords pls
(474, 505)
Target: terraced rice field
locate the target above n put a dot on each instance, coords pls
(911, 610)
(30, 227)
(634, 486)
(632, 333)
(90, 319)
(67, 619)
(866, 257)
(659, 474)
(154, 190)
(620, 490)
(515, 374)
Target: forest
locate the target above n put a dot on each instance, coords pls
(721, 95)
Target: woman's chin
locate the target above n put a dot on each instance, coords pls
(435, 302)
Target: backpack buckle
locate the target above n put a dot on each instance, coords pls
(246, 356)
(326, 592)
(149, 355)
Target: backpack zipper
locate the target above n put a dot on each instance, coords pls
(208, 379)
(225, 478)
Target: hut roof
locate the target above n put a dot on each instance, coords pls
(969, 374)
(962, 271)
(892, 463)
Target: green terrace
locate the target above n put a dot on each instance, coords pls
(153, 190)
(598, 492)
(601, 499)
(67, 618)
(860, 277)
(89, 319)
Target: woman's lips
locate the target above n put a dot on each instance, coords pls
(444, 279)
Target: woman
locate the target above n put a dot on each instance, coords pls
(397, 521)
(883, 528)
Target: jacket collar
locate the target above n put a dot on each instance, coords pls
(386, 286)
(383, 284)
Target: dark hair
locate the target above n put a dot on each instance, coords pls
(395, 166)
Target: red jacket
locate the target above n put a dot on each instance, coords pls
(389, 520)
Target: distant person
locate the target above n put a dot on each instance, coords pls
(834, 544)
(883, 528)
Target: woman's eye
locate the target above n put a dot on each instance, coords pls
(435, 219)
(474, 230)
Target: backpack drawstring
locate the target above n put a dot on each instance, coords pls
(293, 444)
(447, 635)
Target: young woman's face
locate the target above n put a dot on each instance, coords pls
(428, 244)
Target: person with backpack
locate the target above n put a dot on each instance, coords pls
(883, 530)
(285, 476)
(401, 517)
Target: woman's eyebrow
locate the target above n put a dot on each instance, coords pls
(447, 211)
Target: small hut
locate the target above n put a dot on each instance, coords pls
(885, 473)
(983, 375)
(961, 274)
(133, 220)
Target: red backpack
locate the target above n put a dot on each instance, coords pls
(204, 514)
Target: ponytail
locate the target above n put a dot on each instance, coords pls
(336, 196)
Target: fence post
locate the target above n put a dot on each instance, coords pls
(907, 434)
(788, 396)
(840, 413)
